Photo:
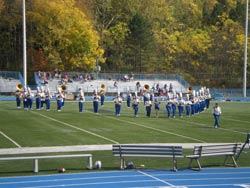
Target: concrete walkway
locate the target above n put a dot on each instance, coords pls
(106, 147)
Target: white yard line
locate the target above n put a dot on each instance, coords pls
(14, 142)
(75, 127)
(204, 125)
(155, 129)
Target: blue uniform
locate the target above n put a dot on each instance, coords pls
(169, 107)
(148, 105)
(136, 106)
(118, 105)
(102, 94)
(216, 113)
(96, 102)
(59, 99)
(47, 100)
(18, 98)
(128, 100)
(181, 107)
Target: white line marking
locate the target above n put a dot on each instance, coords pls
(204, 125)
(155, 129)
(157, 179)
(243, 185)
(80, 129)
(10, 139)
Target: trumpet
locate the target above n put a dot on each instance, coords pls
(19, 87)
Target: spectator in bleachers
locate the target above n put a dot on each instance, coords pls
(170, 88)
(131, 76)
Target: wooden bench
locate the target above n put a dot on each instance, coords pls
(144, 150)
(7, 155)
(227, 150)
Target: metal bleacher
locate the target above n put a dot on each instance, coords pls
(90, 86)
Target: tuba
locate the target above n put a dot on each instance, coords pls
(19, 87)
(146, 87)
(103, 87)
(64, 88)
(190, 90)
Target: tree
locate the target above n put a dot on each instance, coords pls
(66, 37)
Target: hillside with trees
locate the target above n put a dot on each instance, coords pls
(201, 40)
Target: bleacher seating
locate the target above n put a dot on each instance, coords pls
(8, 85)
(90, 86)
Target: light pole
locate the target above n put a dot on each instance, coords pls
(245, 53)
(24, 46)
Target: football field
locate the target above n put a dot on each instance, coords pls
(33, 128)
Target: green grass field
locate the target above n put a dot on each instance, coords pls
(69, 127)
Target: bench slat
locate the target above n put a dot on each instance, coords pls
(143, 150)
(43, 157)
(227, 150)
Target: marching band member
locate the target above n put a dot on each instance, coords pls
(157, 105)
(207, 97)
(188, 107)
(25, 98)
(38, 98)
(216, 113)
(135, 104)
(47, 99)
(63, 98)
(128, 99)
(42, 97)
(96, 99)
(102, 94)
(181, 103)
(169, 103)
(118, 104)
(81, 100)
(29, 98)
(18, 98)
(148, 104)
(59, 99)
(193, 100)
(174, 103)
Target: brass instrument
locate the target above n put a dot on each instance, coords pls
(19, 87)
(190, 89)
(64, 88)
(146, 87)
(103, 87)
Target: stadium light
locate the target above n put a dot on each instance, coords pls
(24, 46)
(245, 53)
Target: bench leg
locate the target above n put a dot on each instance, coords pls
(174, 165)
(122, 163)
(190, 163)
(225, 160)
(198, 162)
(90, 166)
(235, 164)
(36, 166)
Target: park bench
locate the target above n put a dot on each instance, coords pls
(147, 150)
(227, 150)
(12, 154)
